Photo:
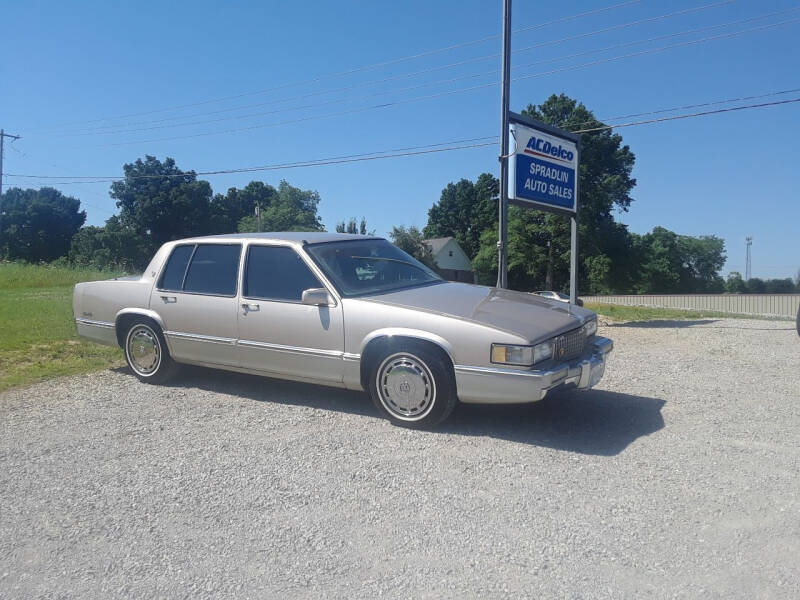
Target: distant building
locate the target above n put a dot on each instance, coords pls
(452, 262)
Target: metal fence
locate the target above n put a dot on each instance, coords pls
(771, 305)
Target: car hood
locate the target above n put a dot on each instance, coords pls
(530, 316)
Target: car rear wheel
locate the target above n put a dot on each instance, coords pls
(414, 387)
(147, 354)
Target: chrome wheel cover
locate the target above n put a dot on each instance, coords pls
(406, 387)
(143, 350)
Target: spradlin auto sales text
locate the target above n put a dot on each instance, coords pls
(543, 187)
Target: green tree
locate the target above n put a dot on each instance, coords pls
(678, 264)
(659, 262)
(229, 209)
(160, 202)
(464, 211)
(734, 284)
(702, 258)
(779, 286)
(38, 225)
(485, 262)
(756, 286)
(110, 247)
(353, 226)
(411, 241)
(291, 209)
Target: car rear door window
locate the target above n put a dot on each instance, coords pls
(172, 279)
(277, 273)
(213, 270)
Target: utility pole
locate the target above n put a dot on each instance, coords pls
(3, 136)
(747, 265)
(502, 244)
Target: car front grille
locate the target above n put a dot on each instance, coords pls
(569, 345)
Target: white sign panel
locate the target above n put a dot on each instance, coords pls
(542, 169)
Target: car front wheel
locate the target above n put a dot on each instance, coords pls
(414, 387)
(147, 354)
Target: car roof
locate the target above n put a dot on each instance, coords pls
(295, 237)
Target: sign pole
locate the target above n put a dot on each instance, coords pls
(573, 236)
(502, 244)
(573, 260)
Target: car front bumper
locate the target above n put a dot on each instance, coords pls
(491, 385)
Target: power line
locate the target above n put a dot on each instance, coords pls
(390, 154)
(661, 49)
(373, 65)
(493, 138)
(111, 131)
(105, 128)
(313, 163)
(451, 92)
(689, 116)
(688, 106)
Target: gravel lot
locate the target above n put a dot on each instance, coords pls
(677, 477)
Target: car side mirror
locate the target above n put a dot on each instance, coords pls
(316, 297)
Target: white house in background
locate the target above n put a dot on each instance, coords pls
(452, 261)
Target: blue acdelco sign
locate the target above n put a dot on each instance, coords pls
(542, 170)
(536, 145)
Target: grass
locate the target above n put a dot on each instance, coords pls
(37, 331)
(618, 312)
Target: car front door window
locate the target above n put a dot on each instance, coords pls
(277, 332)
(277, 273)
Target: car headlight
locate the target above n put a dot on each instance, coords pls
(525, 356)
(590, 328)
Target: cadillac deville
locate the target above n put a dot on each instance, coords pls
(341, 310)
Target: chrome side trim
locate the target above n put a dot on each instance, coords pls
(103, 324)
(292, 349)
(145, 312)
(351, 356)
(192, 337)
(263, 373)
(390, 332)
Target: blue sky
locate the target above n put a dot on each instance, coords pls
(67, 65)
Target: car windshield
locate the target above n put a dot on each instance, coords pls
(362, 267)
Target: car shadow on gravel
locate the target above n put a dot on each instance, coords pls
(276, 391)
(595, 422)
(664, 323)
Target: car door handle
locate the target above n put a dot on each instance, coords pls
(250, 307)
(169, 299)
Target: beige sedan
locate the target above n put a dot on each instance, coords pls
(341, 310)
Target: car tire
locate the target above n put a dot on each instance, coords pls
(147, 354)
(413, 386)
